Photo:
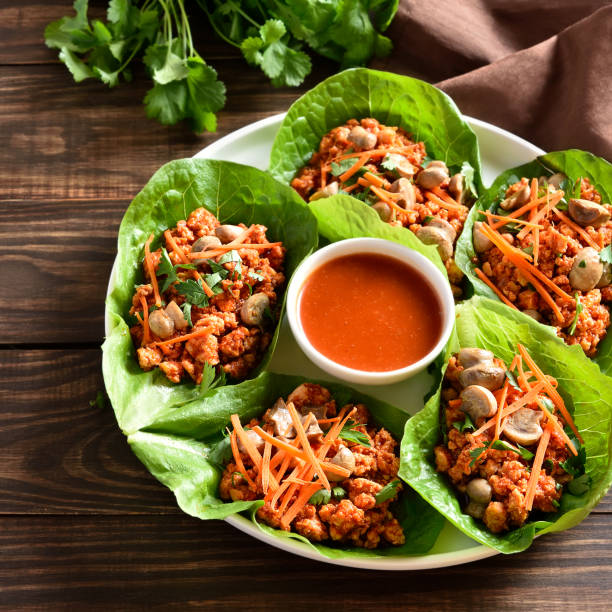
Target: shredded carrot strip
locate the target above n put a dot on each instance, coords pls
(325, 421)
(519, 403)
(146, 337)
(521, 377)
(519, 212)
(203, 331)
(533, 193)
(241, 237)
(265, 467)
(442, 203)
(375, 180)
(361, 161)
(324, 170)
(350, 188)
(576, 228)
(538, 216)
(500, 406)
(555, 423)
(283, 468)
(238, 460)
(246, 442)
(305, 494)
(515, 361)
(491, 215)
(299, 481)
(304, 472)
(151, 270)
(536, 467)
(387, 198)
(332, 434)
(483, 277)
(377, 152)
(443, 195)
(297, 453)
(552, 392)
(455, 403)
(220, 250)
(175, 247)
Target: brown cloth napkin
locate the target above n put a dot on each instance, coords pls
(539, 68)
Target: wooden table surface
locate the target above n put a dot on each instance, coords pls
(83, 525)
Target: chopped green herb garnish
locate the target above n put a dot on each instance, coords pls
(467, 424)
(505, 446)
(428, 218)
(512, 380)
(582, 264)
(320, 497)
(579, 309)
(193, 292)
(387, 492)
(352, 435)
(555, 503)
(210, 378)
(186, 308)
(338, 168)
(605, 255)
(389, 163)
(338, 493)
(476, 452)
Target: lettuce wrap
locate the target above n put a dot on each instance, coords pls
(185, 450)
(232, 192)
(489, 324)
(421, 109)
(574, 164)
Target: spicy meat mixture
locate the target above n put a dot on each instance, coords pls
(544, 252)
(382, 166)
(208, 299)
(506, 448)
(328, 475)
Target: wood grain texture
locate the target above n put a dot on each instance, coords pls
(59, 454)
(179, 562)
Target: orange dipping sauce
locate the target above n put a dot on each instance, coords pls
(370, 312)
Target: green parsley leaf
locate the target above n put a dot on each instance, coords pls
(167, 103)
(320, 497)
(167, 269)
(467, 424)
(255, 275)
(389, 162)
(193, 292)
(387, 492)
(338, 493)
(579, 309)
(338, 168)
(210, 379)
(512, 380)
(520, 450)
(605, 255)
(428, 219)
(351, 435)
(475, 454)
(186, 308)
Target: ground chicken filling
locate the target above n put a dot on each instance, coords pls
(382, 166)
(344, 495)
(564, 238)
(506, 449)
(209, 299)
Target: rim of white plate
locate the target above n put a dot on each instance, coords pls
(416, 562)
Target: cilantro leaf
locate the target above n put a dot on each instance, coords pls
(320, 497)
(210, 379)
(505, 446)
(338, 493)
(351, 435)
(338, 168)
(186, 308)
(167, 103)
(193, 292)
(475, 454)
(389, 491)
(512, 380)
(467, 424)
(605, 255)
(389, 162)
(579, 309)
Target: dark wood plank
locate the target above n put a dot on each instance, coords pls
(59, 454)
(61, 140)
(57, 256)
(179, 562)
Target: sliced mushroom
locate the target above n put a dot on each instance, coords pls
(481, 242)
(586, 270)
(556, 179)
(469, 357)
(402, 166)
(475, 510)
(161, 324)
(204, 244)
(444, 226)
(253, 309)
(523, 427)
(585, 212)
(479, 491)
(383, 210)
(326, 192)
(435, 236)
(227, 233)
(345, 459)
(361, 138)
(255, 439)
(606, 276)
(485, 374)
(313, 430)
(455, 186)
(407, 193)
(478, 402)
(534, 314)
(432, 176)
(279, 416)
(174, 311)
(516, 200)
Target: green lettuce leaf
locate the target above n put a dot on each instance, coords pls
(341, 217)
(184, 449)
(421, 109)
(574, 164)
(234, 193)
(489, 324)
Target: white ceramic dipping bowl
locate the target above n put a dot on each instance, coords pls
(414, 260)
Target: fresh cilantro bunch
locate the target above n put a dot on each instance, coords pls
(270, 34)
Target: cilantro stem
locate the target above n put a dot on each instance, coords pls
(221, 35)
